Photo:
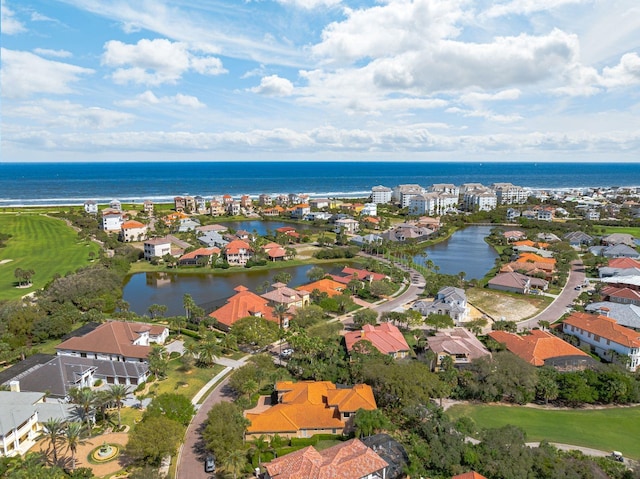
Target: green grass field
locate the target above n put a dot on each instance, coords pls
(605, 429)
(46, 245)
(608, 230)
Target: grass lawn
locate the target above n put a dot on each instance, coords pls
(631, 230)
(605, 429)
(46, 245)
(187, 384)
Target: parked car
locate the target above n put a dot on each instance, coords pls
(209, 464)
(286, 353)
(617, 456)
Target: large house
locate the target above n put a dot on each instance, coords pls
(133, 231)
(238, 252)
(115, 341)
(156, 248)
(21, 417)
(325, 285)
(450, 301)
(242, 305)
(199, 257)
(458, 344)
(111, 220)
(385, 337)
(540, 348)
(627, 315)
(306, 408)
(606, 338)
(348, 460)
(291, 298)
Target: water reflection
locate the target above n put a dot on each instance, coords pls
(466, 251)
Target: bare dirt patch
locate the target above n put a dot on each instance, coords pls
(500, 305)
(305, 251)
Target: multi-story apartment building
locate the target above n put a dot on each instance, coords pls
(402, 194)
(432, 204)
(509, 194)
(479, 199)
(381, 194)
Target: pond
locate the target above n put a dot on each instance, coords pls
(466, 251)
(144, 289)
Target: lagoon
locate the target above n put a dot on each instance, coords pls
(466, 251)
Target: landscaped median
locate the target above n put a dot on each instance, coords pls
(606, 429)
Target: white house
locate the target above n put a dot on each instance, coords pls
(111, 220)
(606, 338)
(156, 247)
(370, 209)
(91, 207)
(21, 418)
(115, 341)
(350, 225)
(133, 231)
(450, 301)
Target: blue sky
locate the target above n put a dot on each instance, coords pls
(531, 80)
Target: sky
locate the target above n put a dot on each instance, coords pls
(503, 80)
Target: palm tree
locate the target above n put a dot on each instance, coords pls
(118, 393)
(73, 436)
(188, 303)
(235, 462)
(280, 309)
(208, 352)
(260, 445)
(157, 360)
(177, 322)
(53, 431)
(85, 398)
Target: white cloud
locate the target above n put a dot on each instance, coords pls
(528, 7)
(309, 4)
(625, 73)
(154, 62)
(46, 52)
(25, 74)
(274, 85)
(149, 98)
(68, 115)
(10, 24)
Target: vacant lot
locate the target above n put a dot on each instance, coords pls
(510, 306)
(41, 243)
(604, 429)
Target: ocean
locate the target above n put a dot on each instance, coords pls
(33, 184)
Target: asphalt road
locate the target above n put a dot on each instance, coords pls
(563, 302)
(193, 453)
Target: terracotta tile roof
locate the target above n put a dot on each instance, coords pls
(285, 229)
(349, 460)
(535, 258)
(530, 268)
(285, 295)
(362, 274)
(132, 224)
(537, 347)
(235, 246)
(113, 337)
(241, 305)
(469, 475)
(371, 219)
(624, 263)
(623, 293)
(310, 405)
(385, 337)
(199, 252)
(531, 243)
(329, 286)
(605, 327)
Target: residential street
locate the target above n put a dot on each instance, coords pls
(563, 302)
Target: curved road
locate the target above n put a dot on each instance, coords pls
(192, 454)
(563, 302)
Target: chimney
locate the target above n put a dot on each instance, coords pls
(14, 386)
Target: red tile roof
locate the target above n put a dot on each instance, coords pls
(113, 337)
(235, 246)
(349, 460)
(362, 274)
(385, 337)
(624, 263)
(329, 286)
(623, 293)
(132, 224)
(537, 347)
(241, 305)
(310, 405)
(469, 475)
(199, 252)
(605, 327)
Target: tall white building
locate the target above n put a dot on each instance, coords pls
(402, 194)
(479, 199)
(381, 194)
(432, 204)
(509, 194)
(446, 188)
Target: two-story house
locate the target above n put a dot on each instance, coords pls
(238, 252)
(607, 339)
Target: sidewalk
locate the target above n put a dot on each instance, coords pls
(230, 365)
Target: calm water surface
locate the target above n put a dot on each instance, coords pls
(466, 251)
